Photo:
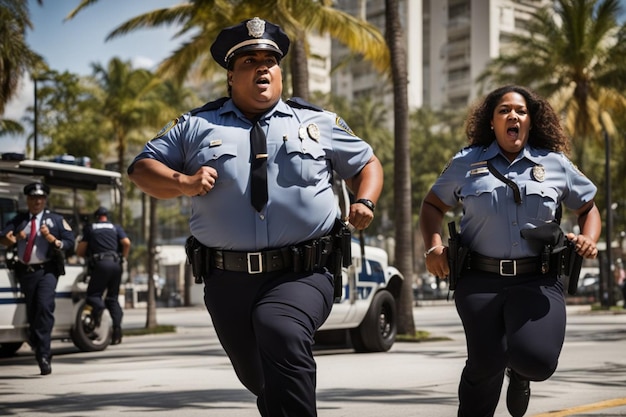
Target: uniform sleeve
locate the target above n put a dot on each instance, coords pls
(66, 233)
(350, 152)
(448, 186)
(166, 146)
(580, 189)
(121, 234)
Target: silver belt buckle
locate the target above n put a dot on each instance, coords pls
(503, 263)
(259, 257)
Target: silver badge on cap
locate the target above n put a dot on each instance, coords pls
(314, 131)
(539, 173)
(256, 27)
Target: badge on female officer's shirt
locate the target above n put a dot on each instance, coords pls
(539, 173)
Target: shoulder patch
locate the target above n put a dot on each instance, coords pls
(166, 128)
(212, 105)
(446, 166)
(298, 103)
(341, 124)
(67, 226)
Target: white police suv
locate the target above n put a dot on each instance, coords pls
(365, 316)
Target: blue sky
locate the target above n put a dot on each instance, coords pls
(75, 44)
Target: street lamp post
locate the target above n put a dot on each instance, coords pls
(609, 300)
(35, 119)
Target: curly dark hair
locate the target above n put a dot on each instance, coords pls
(546, 132)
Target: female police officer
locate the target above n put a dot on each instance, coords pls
(512, 177)
(266, 287)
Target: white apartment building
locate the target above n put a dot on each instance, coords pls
(449, 43)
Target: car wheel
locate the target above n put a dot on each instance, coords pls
(86, 334)
(9, 349)
(377, 332)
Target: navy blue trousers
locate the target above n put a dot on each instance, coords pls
(516, 322)
(106, 275)
(39, 288)
(265, 323)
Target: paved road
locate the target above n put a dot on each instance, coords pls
(187, 374)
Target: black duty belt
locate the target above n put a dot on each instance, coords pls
(252, 262)
(32, 267)
(303, 257)
(107, 255)
(505, 267)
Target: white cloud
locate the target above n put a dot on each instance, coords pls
(143, 62)
(16, 108)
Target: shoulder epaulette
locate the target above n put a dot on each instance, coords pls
(212, 105)
(298, 103)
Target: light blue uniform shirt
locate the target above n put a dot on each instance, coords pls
(492, 221)
(304, 146)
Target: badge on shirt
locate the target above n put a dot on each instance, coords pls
(166, 128)
(539, 173)
(314, 132)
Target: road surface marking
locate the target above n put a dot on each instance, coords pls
(583, 408)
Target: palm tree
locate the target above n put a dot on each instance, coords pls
(402, 165)
(128, 105)
(575, 55)
(202, 20)
(16, 57)
(10, 127)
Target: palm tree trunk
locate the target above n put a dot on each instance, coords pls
(299, 67)
(121, 161)
(151, 318)
(402, 165)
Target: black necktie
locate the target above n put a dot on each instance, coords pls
(258, 173)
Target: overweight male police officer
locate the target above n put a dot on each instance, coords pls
(41, 236)
(105, 245)
(260, 173)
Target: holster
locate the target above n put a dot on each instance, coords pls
(569, 266)
(196, 258)
(341, 254)
(456, 256)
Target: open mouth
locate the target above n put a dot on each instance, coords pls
(262, 81)
(513, 130)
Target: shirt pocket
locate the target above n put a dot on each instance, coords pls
(541, 201)
(302, 162)
(223, 159)
(479, 195)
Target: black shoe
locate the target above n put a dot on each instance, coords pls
(518, 394)
(116, 339)
(44, 366)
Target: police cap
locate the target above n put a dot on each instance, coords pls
(249, 35)
(101, 211)
(36, 188)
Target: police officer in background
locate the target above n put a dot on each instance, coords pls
(511, 182)
(40, 236)
(105, 245)
(267, 287)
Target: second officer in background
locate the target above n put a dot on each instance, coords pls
(105, 245)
